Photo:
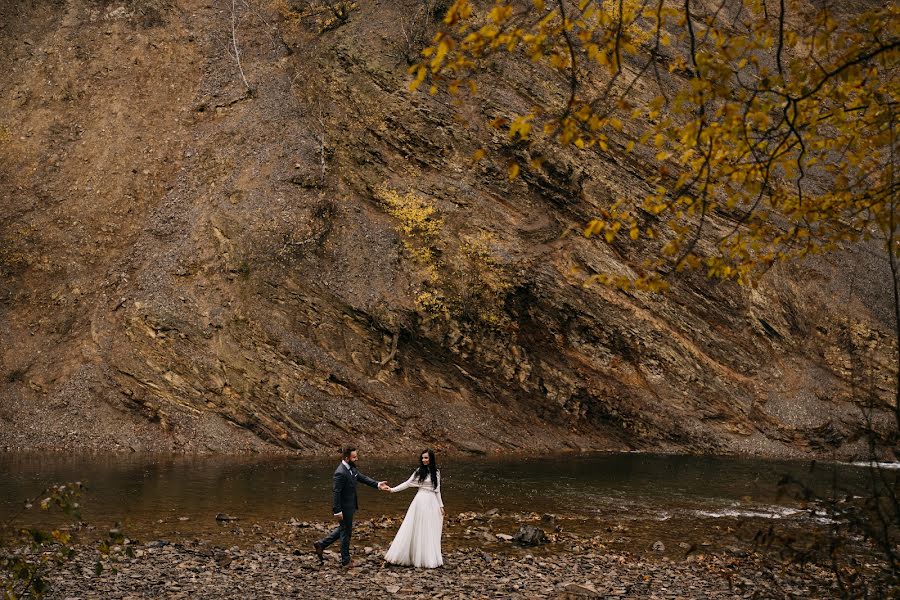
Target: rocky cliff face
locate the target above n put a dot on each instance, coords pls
(189, 266)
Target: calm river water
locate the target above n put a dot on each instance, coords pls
(165, 496)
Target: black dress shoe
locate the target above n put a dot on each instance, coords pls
(319, 551)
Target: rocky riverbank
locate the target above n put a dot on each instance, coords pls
(481, 561)
(273, 570)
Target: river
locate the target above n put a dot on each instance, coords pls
(179, 496)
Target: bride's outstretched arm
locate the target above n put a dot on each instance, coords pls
(437, 491)
(404, 485)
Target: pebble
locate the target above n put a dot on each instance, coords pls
(274, 569)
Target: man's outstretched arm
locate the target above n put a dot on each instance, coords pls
(369, 481)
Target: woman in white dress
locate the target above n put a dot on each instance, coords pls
(418, 541)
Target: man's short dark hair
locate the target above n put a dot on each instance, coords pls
(347, 450)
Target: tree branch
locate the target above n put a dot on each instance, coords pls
(780, 38)
(237, 53)
(573, 78)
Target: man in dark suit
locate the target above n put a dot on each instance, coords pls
(344, 503)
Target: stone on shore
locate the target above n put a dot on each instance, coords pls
(529, 535)
(271, 569)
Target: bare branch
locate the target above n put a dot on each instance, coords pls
(780, 38)
(691, 36)
(237, 53)
(573, 79)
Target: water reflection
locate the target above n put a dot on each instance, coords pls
(161, 495)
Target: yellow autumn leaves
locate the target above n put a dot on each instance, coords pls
(783, 133)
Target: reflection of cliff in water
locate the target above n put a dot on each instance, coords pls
(186, 494)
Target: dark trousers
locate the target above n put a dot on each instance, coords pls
(343, 531)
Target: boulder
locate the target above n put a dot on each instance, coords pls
(529, 535)
(222, 517)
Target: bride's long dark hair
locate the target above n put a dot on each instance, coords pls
(429, 469)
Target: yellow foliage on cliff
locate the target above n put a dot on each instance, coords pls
(771, 126)
(463, 278)
(420, 224)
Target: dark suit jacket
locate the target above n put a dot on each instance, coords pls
(344, 498)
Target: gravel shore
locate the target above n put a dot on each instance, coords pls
(578, 566)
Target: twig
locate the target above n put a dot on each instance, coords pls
(895, 269)
(322, 162)
(237, 53)
(780, 39)
(691, 36)
(320, 117)
(393, 351)
(573, 77)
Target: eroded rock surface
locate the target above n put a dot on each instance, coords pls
(188, 266)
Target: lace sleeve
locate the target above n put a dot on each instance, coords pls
(405, 484)
(437, 490)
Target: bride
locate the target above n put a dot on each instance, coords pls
(418, 542)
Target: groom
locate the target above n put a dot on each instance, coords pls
(344, 503)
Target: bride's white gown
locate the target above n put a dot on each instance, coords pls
(418, 542)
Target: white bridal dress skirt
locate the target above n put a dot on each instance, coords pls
(418, 542)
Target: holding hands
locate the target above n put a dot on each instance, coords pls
(383, 486)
